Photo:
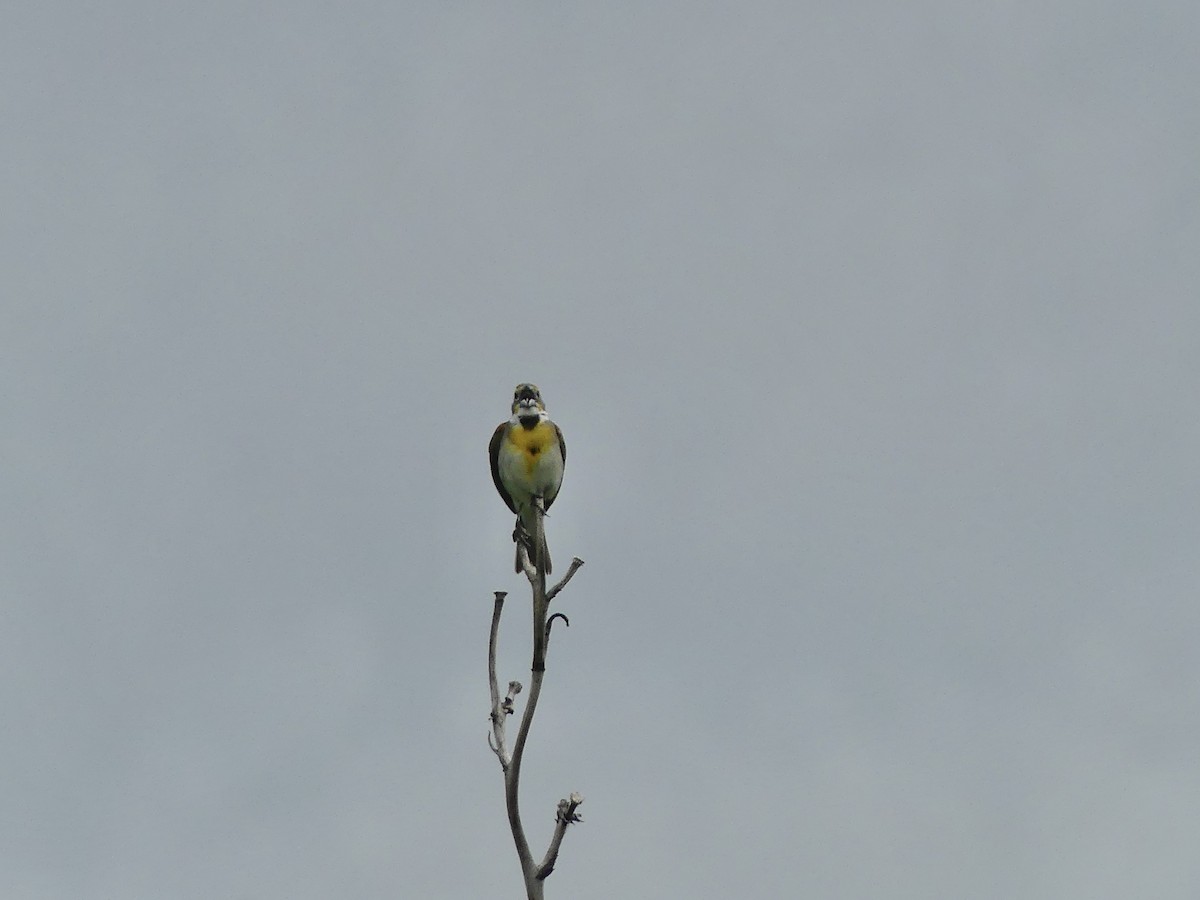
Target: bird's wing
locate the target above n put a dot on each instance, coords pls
(562, 447)
(494, 455)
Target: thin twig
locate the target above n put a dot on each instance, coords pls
(496, 738)
(571, 570)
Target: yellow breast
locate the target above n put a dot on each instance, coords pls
(533, 442)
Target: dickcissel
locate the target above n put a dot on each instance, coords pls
(528, 455)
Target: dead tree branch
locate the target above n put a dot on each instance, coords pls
(534, 873)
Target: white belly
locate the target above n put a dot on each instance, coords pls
(526, 475)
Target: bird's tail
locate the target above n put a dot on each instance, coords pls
(524, 538)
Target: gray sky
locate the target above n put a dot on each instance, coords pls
(873, 330)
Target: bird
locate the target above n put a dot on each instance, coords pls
(528, 455)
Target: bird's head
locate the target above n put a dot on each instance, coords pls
(527, 402)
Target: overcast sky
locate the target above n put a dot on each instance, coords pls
(874, 332)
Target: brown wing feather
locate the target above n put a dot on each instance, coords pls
(494, 456)
(562, 446)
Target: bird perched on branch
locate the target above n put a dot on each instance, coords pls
(528, 455)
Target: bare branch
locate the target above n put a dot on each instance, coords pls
(510, 763)
(512, 777)
(566, 816)
(574, 567)
(538, 583)
(518, 754)
(496, 738)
